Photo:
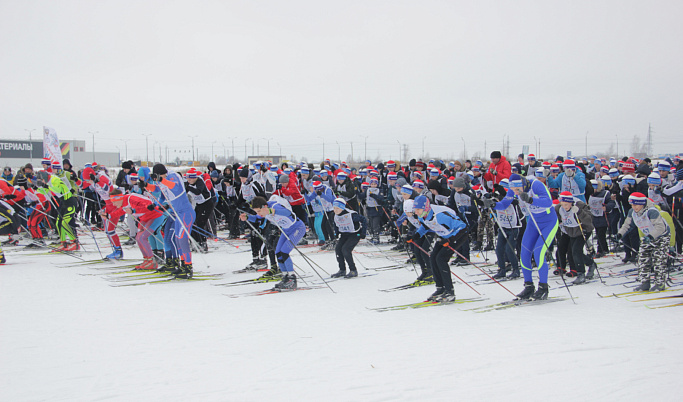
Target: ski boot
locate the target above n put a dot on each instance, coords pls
(185, 271)
(580, 279)
(439, 291)
(559, 271)
(130, 242)
(339, 274)
(375, 240)
(145, 265)
(500, 274)
(169, 266)
(657, 287)
(72, 246)
(271, 275)
(644, 286)
(116, 255)
(11, 241)
(37, 243)
(572, 273)
(514, 274)
(591, 271)
(425, 276)
(288, 282)
(351, 274)
(158, 255)
(527, 292)
(448, 296)
(2, 258)
(303, 242)
(489, 247)
(541, 293)
(62, 246)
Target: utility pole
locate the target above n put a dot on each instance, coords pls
(193, 137)
(366, 146)
(464, 148)
(649, 139)
(617, 137)
(351, 161)
(212, 156)
(423, 148)
(246, 160)
(125, 143)
(485, 149)
(399, 148)
(93, 143)
(30, 141)
(339, 151)
(586, 145)
(146, 148)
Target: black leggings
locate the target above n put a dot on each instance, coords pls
(344, 248)
(440, 256)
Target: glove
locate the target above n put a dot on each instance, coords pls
(487, 195)
(574, 209)
(150, 207)
(319, 192)
(142, 185)
(10, 196)
(43, 185)
(93, 178)
(526, 198)
(278, 186)
(73, 191)
(154, 177)
(361, 235)
(489, 203)
(619, 236)
(515, 202)
(74, 177)
(647, 239)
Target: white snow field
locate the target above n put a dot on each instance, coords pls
(67, 334)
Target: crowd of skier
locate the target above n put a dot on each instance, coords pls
(527, 211)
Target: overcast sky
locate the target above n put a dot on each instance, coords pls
(307, 72)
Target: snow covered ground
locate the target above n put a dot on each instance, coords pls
(67, 335)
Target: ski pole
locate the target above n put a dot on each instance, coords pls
(479, 268)
(586, 242)
(453, 273)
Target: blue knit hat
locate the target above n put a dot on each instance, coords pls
(339, 203)
(421, 202)
(516, 180)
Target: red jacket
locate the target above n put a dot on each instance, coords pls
(139, 203)
(501, 170)
(7, 189)
(291, 192)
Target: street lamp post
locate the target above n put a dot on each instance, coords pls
(246, 160)
(366, 146)
(280, 146)
(30, 142)
(339, 151)
(399, 149)
(93, 143)
(147, 148)
(423, 149)
(193, 137)
(464, 147)
(323, 138)
(125, 142)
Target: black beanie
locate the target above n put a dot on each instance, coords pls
(244, 172)
(159, 169)
(412, 162)
(127, 165)
(495, 154)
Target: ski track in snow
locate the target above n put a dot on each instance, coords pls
(71, 337)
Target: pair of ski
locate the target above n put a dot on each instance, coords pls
(260, 279)
(130, 276)
(515, 303)
(662, 298)
(272, 291)
(161, 279)
(425, 304)
(415, 284)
